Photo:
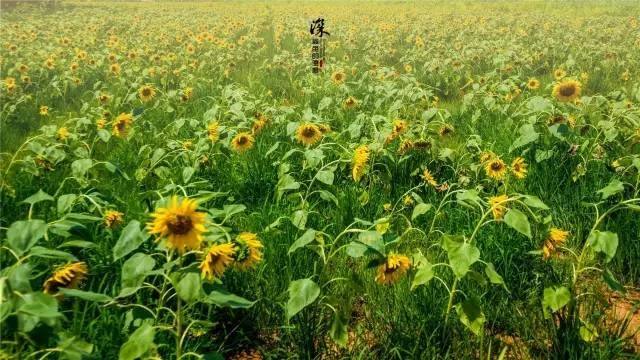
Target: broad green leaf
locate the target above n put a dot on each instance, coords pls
(299, 219)
(80, 167)
(303, 240)
(528, 135)
(302, 293)
(24, 234)
(604, 242)
(189, 288)
(224, 299)
(325, 176)
(37, 197)
(420, 209)
(535, 202)
(471, 315)
(140, 342)
(338, 331)
(555, 298)
(86, 295)
(65, 202)
(187, 173)
(614, 187)
(130, 239)
(461, 255)
(613, 283)
(424, 274)
(493, 275)
(373, 240)
(518, 221)
(136, 268)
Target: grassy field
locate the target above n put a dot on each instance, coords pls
(460, 181)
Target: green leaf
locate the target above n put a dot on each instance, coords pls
(518, 221)
(80, 167)
(604, 242)
(493, 275)
(468, 198)
(299, 219)
(528, 135)
(613, 283)
(130, 239)
(189, 288)
(24, 234)
(424, 274)
(302, 293)
(37, 197)
(224, 299)
(139, 343)
(65, 202)
(461, 255)
(420, 209)
(325, 176)
(356, 249)
(555, 298)
(136, 269)
(534, 202)
(614, 187)
(86, 295)
(372, 240)
(470, 314)
(303, 240)
(187, 173)
(37, 307)
(338, 331)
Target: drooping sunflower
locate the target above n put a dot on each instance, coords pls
(213, 131)
(217, 260)
(498, 206)
(360, 160)
(146, 93)
(308, 134)
(248, 250)
(533, 84)
(242, 142)
(121, 124)
(112, 218)
(556, 238)
(338, 77)
(399, 126)
(324, 128)
(258, 125)
(567, 90)
(519, 168)
(393, 268)
(179, 223)
(495, 168)
(67, 276)
(350, 102)
(428, 178)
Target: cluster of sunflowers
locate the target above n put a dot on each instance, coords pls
(108, 107)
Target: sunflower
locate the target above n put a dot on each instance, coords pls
(146, 93)
(112, 218)
(44, 110)
(497, 206)
(324, 128)
(100, 123)
(394, 266)
(213, 131)
(63, 133)
(308, 134)
(115, 68)
(338, 77)
(10, 83)
(258, 125)
(249, 250)
(180, 223)
(556, 238)
(445, 130)
(104, 98)
(121, 124)
(360, 160)
(519, 168)
(350, 102)
(558, 74)
(428, 178)
(533, 84)
(49, 63)
(67, 276)
(567, 90)
(405, 146)
(242, 142)
(495, 168)
(217, 260)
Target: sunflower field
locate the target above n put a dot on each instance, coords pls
(457, 180)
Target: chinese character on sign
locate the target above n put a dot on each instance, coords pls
(316, 29)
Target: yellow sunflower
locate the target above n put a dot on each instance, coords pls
(495, 168)
(428, 178)
(498, 207)
(533, 84)
(558, 74)
(556, 238)
(63, 133)
(567, 90)
(44, 110)
(308, 134)
(213, 131)
(249, 250)
(112, 218)
(350, 102)
(360, 160)
(67, 276)
(393, 268)
(146, 93)
(519, 168)
(338, 77)
(217, 260)
(121, 124)
(180, 223)
(242, 142)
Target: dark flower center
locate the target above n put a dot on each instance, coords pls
(496, 166)
(180, 225)
(308, 132)
(567, 90)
